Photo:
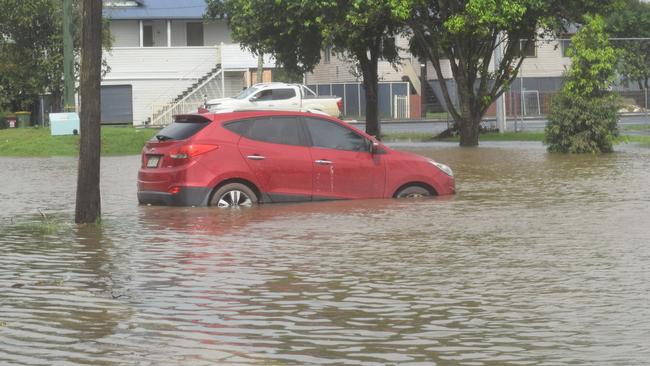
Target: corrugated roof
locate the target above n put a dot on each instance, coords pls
(159, 9)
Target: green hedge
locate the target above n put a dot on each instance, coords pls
(582, 125)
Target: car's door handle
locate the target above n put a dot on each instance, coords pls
(256, 157)
(323, 162)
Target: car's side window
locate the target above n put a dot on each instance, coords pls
(264, 95)
(280, 94)
(276, 130)
(239, 127)
(331, 135)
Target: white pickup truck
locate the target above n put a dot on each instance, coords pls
(278, 96)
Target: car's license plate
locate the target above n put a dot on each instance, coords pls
(152, 162)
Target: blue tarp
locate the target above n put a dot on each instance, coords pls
(159, 9)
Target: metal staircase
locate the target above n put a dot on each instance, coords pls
(430, 102)
(210, 85)
(411, 74)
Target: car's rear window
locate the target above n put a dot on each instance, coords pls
(184, 127)
(276, 129)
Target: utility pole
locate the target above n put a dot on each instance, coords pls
(501, 102)
(68, 60)
(88, 207)
(260, 67)
(423, 89)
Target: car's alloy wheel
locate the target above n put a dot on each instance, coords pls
(413, 192)
(233, 195)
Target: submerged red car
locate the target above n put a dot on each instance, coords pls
(242, 158)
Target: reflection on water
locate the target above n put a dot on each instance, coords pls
(539, 259)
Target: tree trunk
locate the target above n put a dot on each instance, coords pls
(373, 128)
(371, 88)
(88, 208)
(470, 120)
(469, 131)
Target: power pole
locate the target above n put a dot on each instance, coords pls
(88, 207)
(501, 101)
(260, 68)
(68, 58)
(423, 89)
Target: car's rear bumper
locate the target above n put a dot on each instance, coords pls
(187, 196)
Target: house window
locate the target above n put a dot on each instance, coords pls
(147, 35)
(527, 48)
(195, 34)
(565, 45)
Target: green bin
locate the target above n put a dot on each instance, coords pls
(23, 119)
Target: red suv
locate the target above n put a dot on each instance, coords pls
(242, 158)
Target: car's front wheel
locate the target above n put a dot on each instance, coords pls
(233, 195)
(413, 192)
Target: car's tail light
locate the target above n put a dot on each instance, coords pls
(190, 151)
(339, 103)
(174, 190)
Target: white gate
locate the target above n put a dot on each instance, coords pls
(401, 108)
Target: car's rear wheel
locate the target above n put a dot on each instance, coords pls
(413, 192)
(233, 195)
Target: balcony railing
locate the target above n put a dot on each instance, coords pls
(132, 63)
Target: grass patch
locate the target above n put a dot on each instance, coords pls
(408, 136)
(512, 136)
(508, 136)
(39, 142)
(437, 115)
(640, 127)
(639, 139)
(42, 226)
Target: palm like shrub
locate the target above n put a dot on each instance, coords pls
(583, 117)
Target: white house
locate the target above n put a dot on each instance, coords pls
(166, 60)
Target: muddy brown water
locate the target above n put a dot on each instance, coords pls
(539, 259)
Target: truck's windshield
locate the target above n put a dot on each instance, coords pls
(246, 92)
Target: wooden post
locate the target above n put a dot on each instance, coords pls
(88, 206)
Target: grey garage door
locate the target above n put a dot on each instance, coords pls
(117, 104)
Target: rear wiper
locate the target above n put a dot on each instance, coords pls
(163, 138)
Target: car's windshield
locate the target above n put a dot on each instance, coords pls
(246, 92)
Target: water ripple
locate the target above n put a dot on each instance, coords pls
(540, 259)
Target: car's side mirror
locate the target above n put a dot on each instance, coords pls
(253, 98)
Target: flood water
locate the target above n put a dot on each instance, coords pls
(539, 259)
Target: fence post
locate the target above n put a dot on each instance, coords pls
(646, 105)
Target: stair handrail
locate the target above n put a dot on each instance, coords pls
(409, 70)
(163, 111)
